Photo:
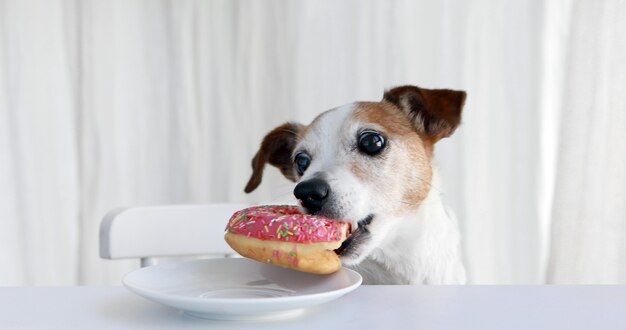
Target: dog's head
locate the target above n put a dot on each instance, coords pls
(368, 163)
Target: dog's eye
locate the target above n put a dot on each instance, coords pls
(302, 161)
(371, 143)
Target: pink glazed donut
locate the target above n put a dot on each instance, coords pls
(281, 235)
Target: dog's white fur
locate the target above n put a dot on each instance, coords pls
(417, 247)
(421, 248)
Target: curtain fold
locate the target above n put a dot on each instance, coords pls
(39, 194)
(589, 212)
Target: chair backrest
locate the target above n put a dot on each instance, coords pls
(166, 231)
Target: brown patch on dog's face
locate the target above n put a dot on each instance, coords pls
(402, 172)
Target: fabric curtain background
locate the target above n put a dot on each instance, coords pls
(123, 103)
(589, 222)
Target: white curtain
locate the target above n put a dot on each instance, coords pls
(40, 199)
(589, 223)
(111, 103)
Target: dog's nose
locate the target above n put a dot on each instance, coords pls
(313, 193)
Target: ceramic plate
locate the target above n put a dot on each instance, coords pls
(235, 289)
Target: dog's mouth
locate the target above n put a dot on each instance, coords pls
(356, 237)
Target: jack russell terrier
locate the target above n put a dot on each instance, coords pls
(370, 163)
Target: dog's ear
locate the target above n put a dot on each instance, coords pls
(276, 149)
(433, 112)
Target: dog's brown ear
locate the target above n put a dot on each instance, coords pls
(276, 149)
(434, 112)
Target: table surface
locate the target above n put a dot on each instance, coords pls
(369, 307)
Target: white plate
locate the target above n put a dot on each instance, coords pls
(236, 289)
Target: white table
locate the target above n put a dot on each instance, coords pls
(369, 307)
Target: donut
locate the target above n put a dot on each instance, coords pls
(281, 235)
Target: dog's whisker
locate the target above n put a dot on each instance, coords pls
(420, 204)
(289, 131)
(441, 193)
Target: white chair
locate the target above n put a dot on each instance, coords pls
(166, 231)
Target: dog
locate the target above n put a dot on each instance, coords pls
(370, 164)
